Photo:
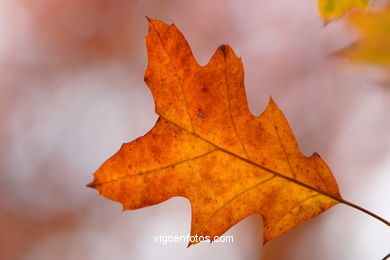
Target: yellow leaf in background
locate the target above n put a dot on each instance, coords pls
(374, 46)
(333, 9)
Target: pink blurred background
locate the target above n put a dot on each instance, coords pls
(72, 92)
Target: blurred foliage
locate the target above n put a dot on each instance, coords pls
(333, 9)
(374, 45)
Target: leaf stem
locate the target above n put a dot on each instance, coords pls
(312, 188)
(365, 211)
(339, 199)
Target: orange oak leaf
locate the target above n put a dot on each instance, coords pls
(207, 147)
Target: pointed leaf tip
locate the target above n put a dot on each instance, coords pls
(91, 185)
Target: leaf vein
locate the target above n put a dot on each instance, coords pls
(236, 196)
(178, 78)
(230, 111)
(281, 144)
(154, 170)
(291, 209)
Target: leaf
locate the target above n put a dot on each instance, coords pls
(333, 9)
(374, 46)
(206, 146)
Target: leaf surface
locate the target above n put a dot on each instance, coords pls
(207, 147)
(333, 9)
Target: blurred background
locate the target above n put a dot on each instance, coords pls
(72, 91)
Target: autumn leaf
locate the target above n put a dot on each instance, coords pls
(207, 147)
(374, 46)
(333, 9)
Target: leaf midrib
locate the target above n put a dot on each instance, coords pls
(258, 165)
